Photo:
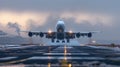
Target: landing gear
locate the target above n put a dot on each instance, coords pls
(63, 41)
(57, 41)
(68, 40)
(53, 40)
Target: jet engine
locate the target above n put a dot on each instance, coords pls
(41, 34)
(30, 34)
(89, 34)
(77, 35)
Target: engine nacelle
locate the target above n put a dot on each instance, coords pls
(77, 35)
(41, 34)
(30, 34)
(89, 34)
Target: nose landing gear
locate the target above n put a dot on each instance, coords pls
(68, 40)
(57, 41)
(63, 41)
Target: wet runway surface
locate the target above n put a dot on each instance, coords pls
(48, 56)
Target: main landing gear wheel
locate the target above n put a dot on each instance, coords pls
(68, 40)
(57, 41)
(63, 41)
(53, 40)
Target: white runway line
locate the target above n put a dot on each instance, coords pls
(7, 58)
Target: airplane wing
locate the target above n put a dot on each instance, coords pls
(60, 35)
(72, 35)
(68, 35)
(48, 34)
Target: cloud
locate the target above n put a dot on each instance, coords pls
(60, 5)
(43, 20)
(92, 18)
(16, 26)
(2, 33)
(23, 18)
(77, 14)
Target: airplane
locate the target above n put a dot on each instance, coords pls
(60, 34)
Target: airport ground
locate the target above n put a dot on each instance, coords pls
(59, 55)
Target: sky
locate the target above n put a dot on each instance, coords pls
(78, 15)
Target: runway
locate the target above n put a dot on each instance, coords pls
(48, 56)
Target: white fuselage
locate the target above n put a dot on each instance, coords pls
(60, 27)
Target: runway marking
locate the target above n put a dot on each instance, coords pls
(56, 54)
(70, 54)
(7, 58)
(12, 62)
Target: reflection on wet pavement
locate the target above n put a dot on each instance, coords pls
(62, 56)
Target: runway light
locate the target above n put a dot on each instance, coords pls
(50, 31)
(65, 53)
(65, 50)
(69, 65)
(70, 31)
(94, 41)
(82, 44)
(49, 57)
(49, 64)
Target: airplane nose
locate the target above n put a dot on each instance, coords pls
(60, 22)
